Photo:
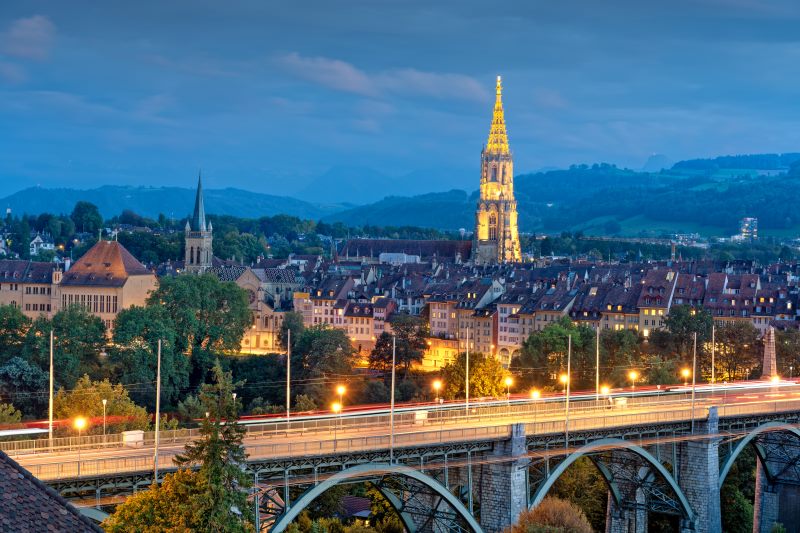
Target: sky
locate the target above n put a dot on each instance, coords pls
(267, 95)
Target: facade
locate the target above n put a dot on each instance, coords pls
(199, 255)
(41, 242)
(28, 286)
(496, 238)
(106, 280)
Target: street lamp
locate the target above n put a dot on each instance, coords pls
(509, 381)
(105, 401)
(340, 390)
(337, 409)
(437, 385)
(535, 394)
(775, 379)
(633, 375)
(79, 424)
(564, 379)
(686, 373)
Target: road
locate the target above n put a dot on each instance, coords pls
(365, 431)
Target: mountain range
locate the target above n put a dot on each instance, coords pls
(706, 196)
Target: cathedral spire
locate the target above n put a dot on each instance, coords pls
(199, 216)
(498, 138)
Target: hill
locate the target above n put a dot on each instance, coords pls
(174, 202)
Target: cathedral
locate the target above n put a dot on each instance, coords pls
(496, 238)
(198, 237)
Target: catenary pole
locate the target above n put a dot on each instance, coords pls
(288, 372)
(158, 412)
(50, 402)
(391, 402)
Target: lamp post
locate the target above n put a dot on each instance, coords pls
(535, 394)
(437, 385)
(694, 375)
(105, 401)
(50, 404)
(79, 424)
(686, 373)
(466, 377)
(563, 378)
(633, 375)
(337, 409)
(391, 403)
(569, 378)
(288, 373)
(604, 390)
(508, 381)
(340, 390)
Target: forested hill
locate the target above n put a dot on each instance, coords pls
(705, 196)
(174, 202)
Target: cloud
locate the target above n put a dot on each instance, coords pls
(29, 38)
(550, 99)
(330, 73)
(345, 77)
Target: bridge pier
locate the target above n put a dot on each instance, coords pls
(503, 489)
(629, 514)
(698, 475)
(777, 494)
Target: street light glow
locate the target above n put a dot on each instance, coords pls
(509, 381)
(336, 407)
(563, 378)
(437, 384)
(686, 372)
(604, 390)
(633, 375)
(776, 379)
(79, 423)
(535, 394)
(340, 390)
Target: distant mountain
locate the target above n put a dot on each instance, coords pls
(174, 202)
(656, 163)
(363, 185)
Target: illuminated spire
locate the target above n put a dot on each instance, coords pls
(498, 138)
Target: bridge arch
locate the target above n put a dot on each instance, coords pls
(610, 444)
(742, 444)
(367, 470)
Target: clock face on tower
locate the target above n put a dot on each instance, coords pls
(252, 295)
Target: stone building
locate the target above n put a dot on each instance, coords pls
(496, 238)
(199, 255)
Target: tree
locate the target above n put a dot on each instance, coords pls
(583, 485)
(545, 353)
(8, 414)
(380, 358)
(162, 508)
(787, 351)
(79, 337)
(87, 217)
(13, 327)
(486, 377)
(619, 352)
(683, 322)
(220, 454)
(208, 314)
(24, 383)
(411, 335)
(291, 321)
(137, 331)
(737, 350)
(553, 515)
(322, 351)
(86, 400)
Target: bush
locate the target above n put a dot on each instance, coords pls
(552, 516)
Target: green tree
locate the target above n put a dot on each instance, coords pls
(137, 331)
(168, 507)
(553, 515)
(24, 383)
(411, 335)
(86, 400)
(293, 321)
(79, 338)
(208, 314)
(322, 352)
(683, 322)
(787, 351)
(545, 353)
(737, 350)
(87, 217)
(13, 327)
(583, 485)
(220, 454)
(486, 377)
(8, 414)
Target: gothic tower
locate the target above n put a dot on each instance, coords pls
(496, 238)
(198, 237)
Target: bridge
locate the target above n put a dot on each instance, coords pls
(477, 469)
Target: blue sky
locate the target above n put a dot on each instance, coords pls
(267, 95)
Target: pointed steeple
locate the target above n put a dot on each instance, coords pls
(498, 137)
(199, 216)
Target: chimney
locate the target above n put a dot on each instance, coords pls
(67, 264)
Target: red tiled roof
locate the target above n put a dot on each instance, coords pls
(106, 264)
(28, 505)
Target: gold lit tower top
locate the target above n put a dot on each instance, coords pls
(498, 138)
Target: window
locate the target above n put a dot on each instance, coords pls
(492, 226)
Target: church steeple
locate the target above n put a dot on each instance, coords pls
(199, 216)
(199, 252)
(498, 137)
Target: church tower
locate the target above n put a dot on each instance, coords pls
(496, 238)
(198, 239)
